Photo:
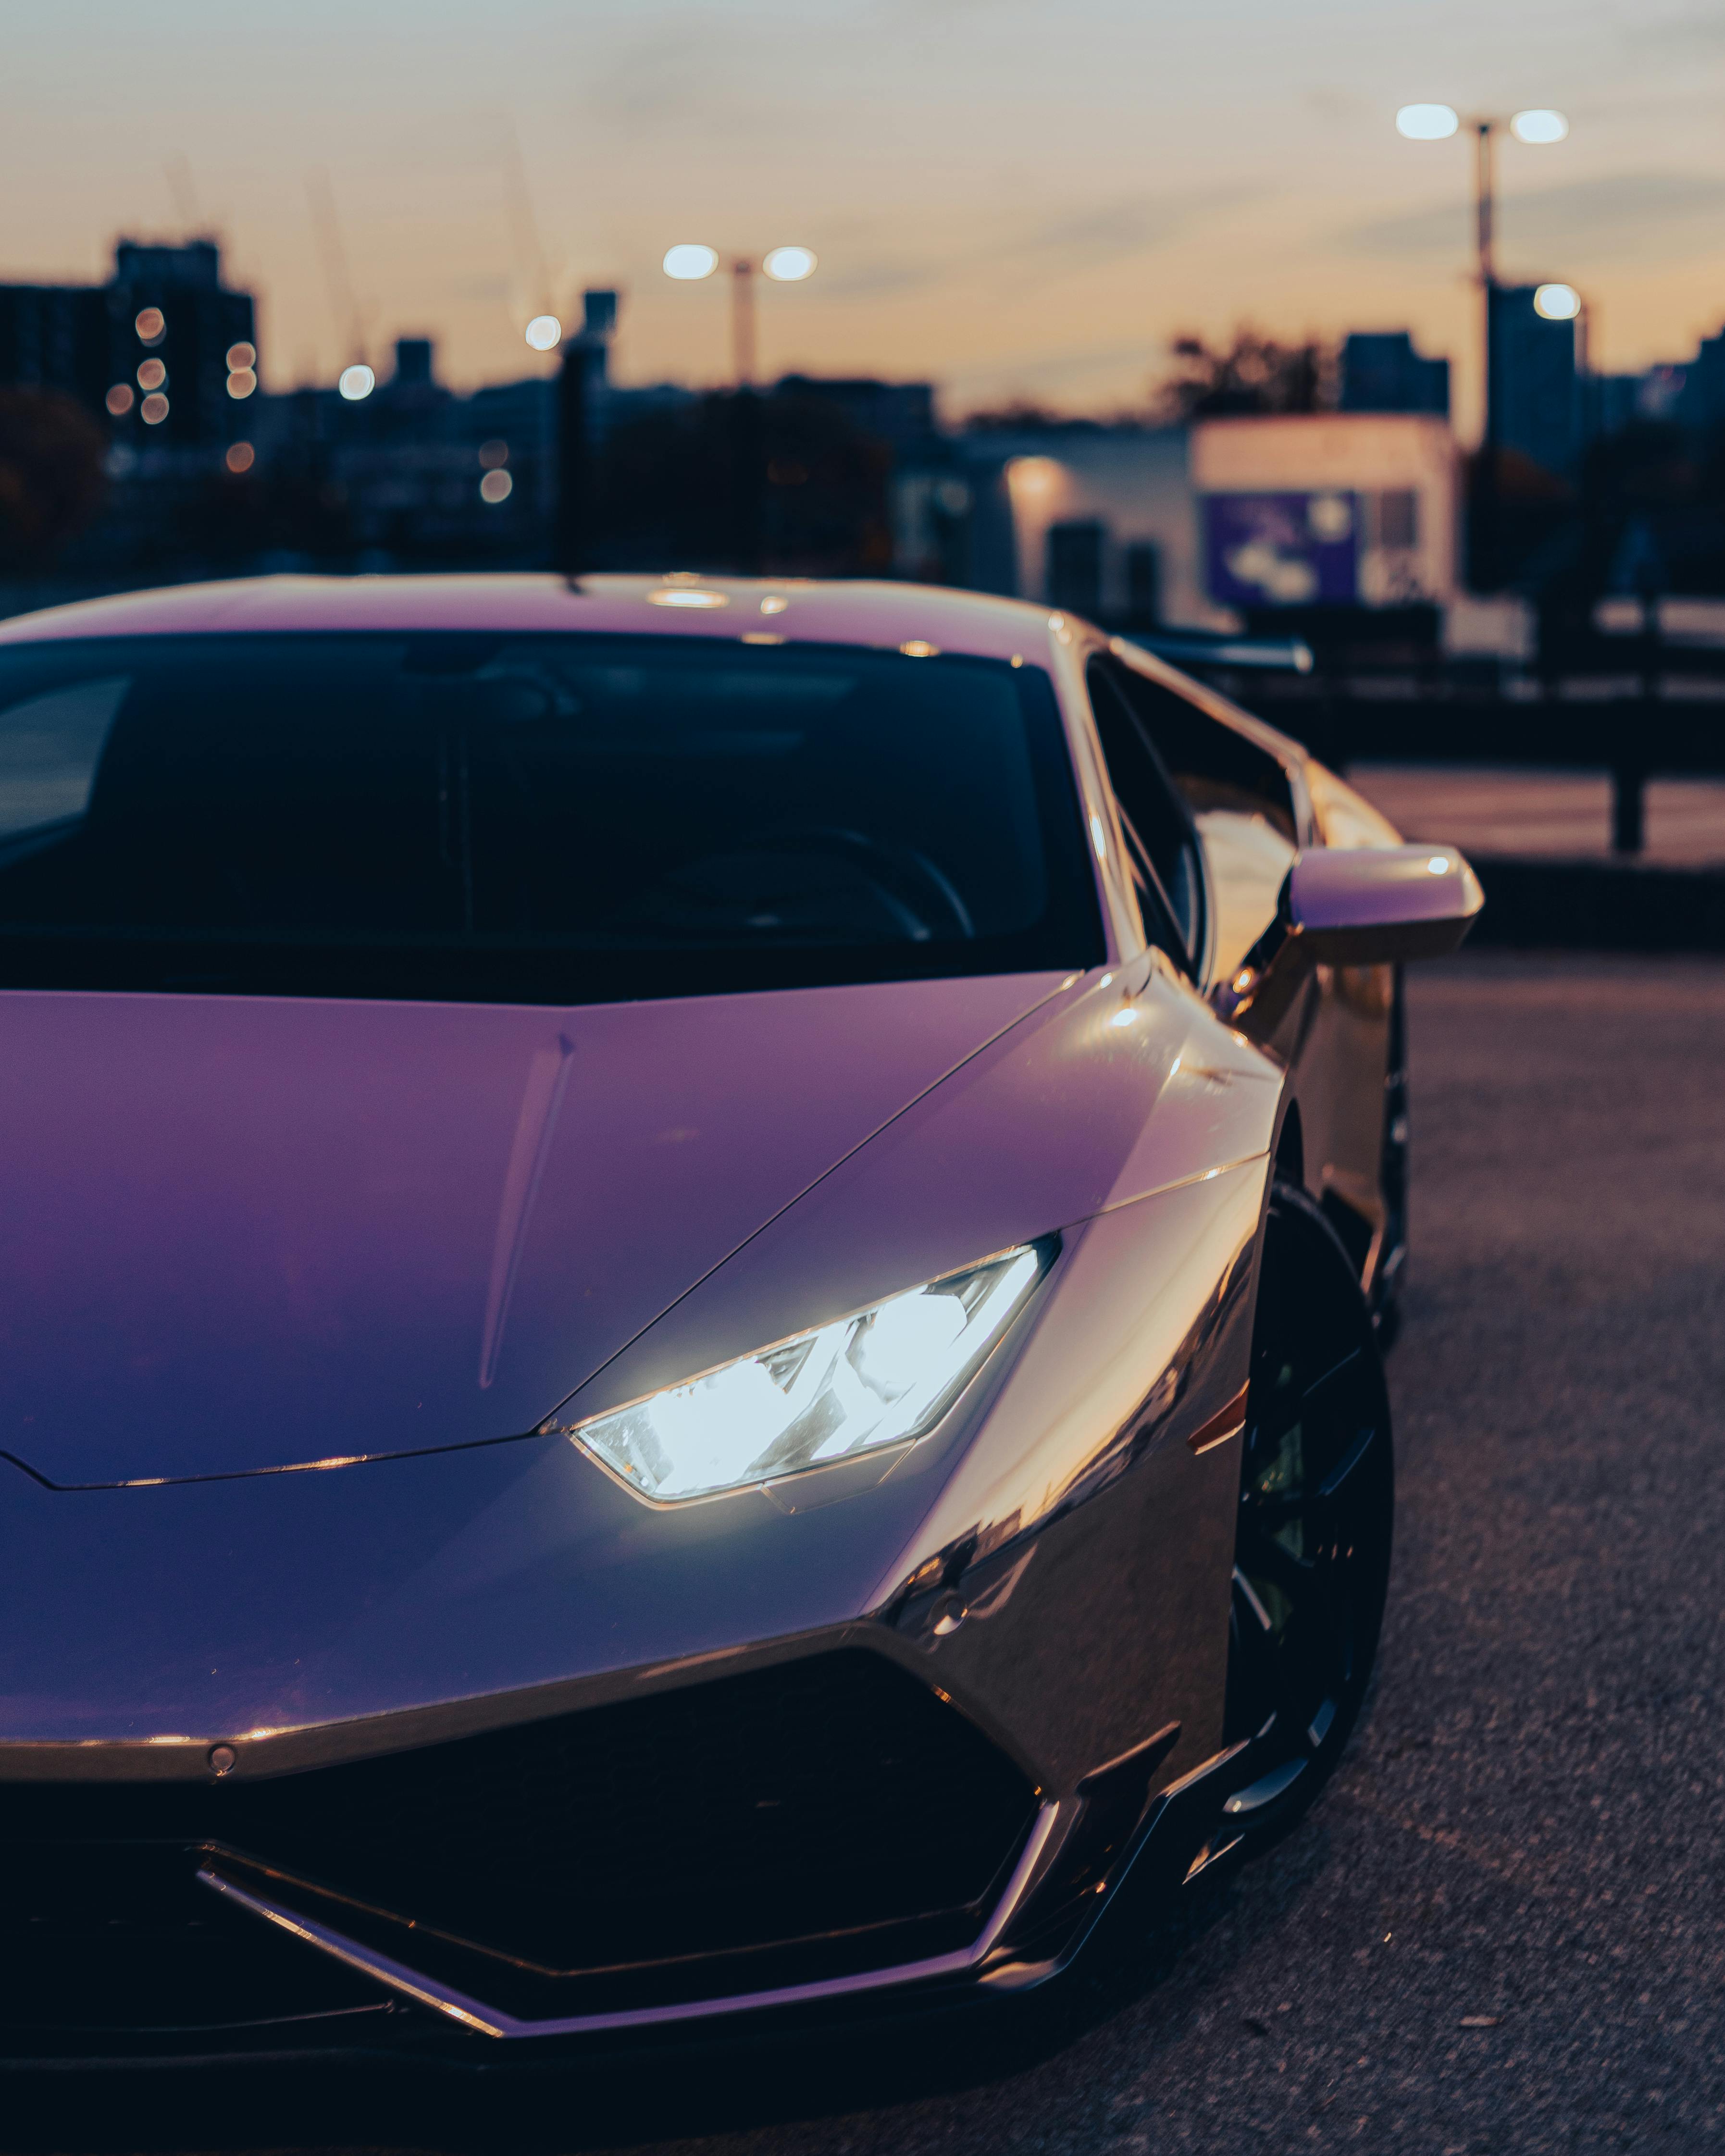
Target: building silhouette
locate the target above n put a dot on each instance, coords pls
(1381, 372)
(147, 353)
(1534, 385)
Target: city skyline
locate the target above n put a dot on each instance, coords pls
(1004, 212)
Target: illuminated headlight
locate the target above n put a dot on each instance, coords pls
(882, 1376)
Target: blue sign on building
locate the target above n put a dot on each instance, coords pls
(1266, 550)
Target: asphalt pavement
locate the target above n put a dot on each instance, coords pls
(1502, 1929)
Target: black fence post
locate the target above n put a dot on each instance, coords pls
(1628, 803)
(1629, 767)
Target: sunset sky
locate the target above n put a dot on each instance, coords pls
(1010, 199)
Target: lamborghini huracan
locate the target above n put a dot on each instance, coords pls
(691, 1303)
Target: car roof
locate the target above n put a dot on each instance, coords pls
(680, 604)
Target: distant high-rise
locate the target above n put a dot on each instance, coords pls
(1701, 401)
(161, 353)
(1535, 385)
(1381, 372)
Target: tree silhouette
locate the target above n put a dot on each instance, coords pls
(1253, 374)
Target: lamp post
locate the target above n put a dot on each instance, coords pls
(691, 262)
(1536, 126)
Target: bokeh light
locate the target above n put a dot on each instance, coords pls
(242, 381)
(544, 332)
(154, 410)
(1034, 475)
(496, 486)
(689, 262)
(1539, 124)
(240, 357)
(790, 265)
(1557, 303)
(150, 325)
(120, 399)
(151, 374)
(357, 381)
(1427, 123)
(241, 456)
(494, 455)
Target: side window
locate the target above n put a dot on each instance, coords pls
(1163, 846)
(1211, 765)
(1241, 803)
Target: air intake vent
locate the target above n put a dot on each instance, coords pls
(832, 1809)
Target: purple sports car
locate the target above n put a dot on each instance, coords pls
(692, 1283)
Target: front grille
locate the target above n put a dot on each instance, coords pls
(103, 1941)
(810, 1819)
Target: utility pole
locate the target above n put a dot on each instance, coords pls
(743, 323)
(1485, 503)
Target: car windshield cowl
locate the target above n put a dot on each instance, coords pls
(558, 818)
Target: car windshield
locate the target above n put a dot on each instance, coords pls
(561, 819)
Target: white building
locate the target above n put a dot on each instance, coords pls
(1344, 507)
(1101, 519)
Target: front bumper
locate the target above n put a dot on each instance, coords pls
(483, 1737)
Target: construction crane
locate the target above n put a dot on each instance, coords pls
(328, 228)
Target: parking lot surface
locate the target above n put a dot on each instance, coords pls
(1503, 1928)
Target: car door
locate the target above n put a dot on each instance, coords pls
(1252, 811)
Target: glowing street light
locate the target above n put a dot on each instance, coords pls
(691, 261)
(357, 381)
(544, 333)
(1427, 123)
(1557, 303)
(790, 265)
(1538, 124)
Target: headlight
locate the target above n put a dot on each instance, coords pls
(883, 1376)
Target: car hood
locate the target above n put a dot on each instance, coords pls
(245, 1234)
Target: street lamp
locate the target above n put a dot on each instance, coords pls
(1557, 303)
(690, 262)
(1536, 126)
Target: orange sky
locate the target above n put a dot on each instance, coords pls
(1009, 198)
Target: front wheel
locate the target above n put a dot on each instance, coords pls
(1313, 1538)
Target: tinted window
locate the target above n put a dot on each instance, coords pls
(1212, 765)
(553, 819)
(1159, 836)
(1240, 804)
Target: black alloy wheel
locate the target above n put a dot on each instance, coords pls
(1312, 1541)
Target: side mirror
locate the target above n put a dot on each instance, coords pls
(1364, 906)
(1377, 905)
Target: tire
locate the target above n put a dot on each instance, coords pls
(1314, 1529)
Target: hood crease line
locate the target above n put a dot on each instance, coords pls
(547, 1074)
